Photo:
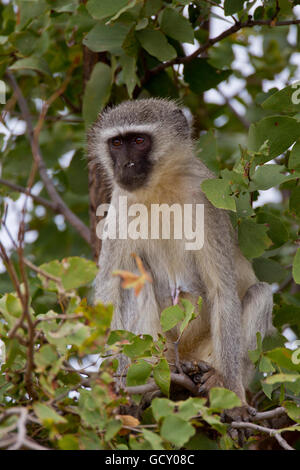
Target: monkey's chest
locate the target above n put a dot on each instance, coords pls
(178, 275)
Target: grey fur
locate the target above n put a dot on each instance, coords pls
(235, 306)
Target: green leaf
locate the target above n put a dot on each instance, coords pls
(221, 398)
(31, 63)
(130, 45)
(154, 439)
(73, 272)
(69, 333)
(105, 8)
(284, 101)
(280, 131)
(119, 335)
(293, 410)
(130, 77)
(232, 6)
(47, 415)
(294, 203)
(151, 7)
(296, 267)
(13, 305)
(268, 176)
(170, 316)
(294, 159)
(287, 314)
(97, 92)
(68, 442)
(176, 26)
(176, 430)
(282, 378)
(283, 358)
(189, 314)
(255, 354)
(189, 408)
(253, 239)
(129, 5)
(265, 365)
(243, 205)
(104, 38)
(138, 373)
(162, 407)
(267, 389)
(156, 44)
(112, 428)
(201, 76)
(162, 376)
(201, 442)
(221, 55)
(138, 346)
(45, 356)
(207, 151)
(268, 270)
(161, 85)
(277, 230)
(217, 192)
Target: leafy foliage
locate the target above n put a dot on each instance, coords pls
(70, 59)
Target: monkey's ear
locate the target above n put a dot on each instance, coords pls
(181, 121)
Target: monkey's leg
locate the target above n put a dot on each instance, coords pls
(257, 306)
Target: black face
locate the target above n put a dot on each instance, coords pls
(130, 154)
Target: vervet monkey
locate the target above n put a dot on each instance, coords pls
(146, 151)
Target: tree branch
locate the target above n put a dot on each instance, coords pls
(81, 228)
(269, 414)
(228, 32)
(178, 379)
(44, 202)
(256, 427)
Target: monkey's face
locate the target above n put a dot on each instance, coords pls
(130, 154)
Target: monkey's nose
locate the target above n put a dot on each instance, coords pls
(129, 164)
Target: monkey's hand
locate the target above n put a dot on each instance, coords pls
(240, 414)
(204, 375)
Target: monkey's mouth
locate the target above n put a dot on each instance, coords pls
(132, 177)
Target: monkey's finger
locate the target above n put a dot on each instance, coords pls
(189, 367)
(203, 366)
(252, 411)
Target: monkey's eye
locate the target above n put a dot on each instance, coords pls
(116, 142)
(139, 140)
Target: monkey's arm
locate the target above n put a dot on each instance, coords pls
(216, 263)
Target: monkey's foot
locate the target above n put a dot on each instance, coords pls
(239, 414)
(204, 375)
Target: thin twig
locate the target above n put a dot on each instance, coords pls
(21, 429)
(228, 32)
(20, 189)
(256, 427)
(81, 228)
(178, 379)
(269, 414)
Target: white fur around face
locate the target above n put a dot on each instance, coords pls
(121, 130)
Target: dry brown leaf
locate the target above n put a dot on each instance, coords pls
(134, 281)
